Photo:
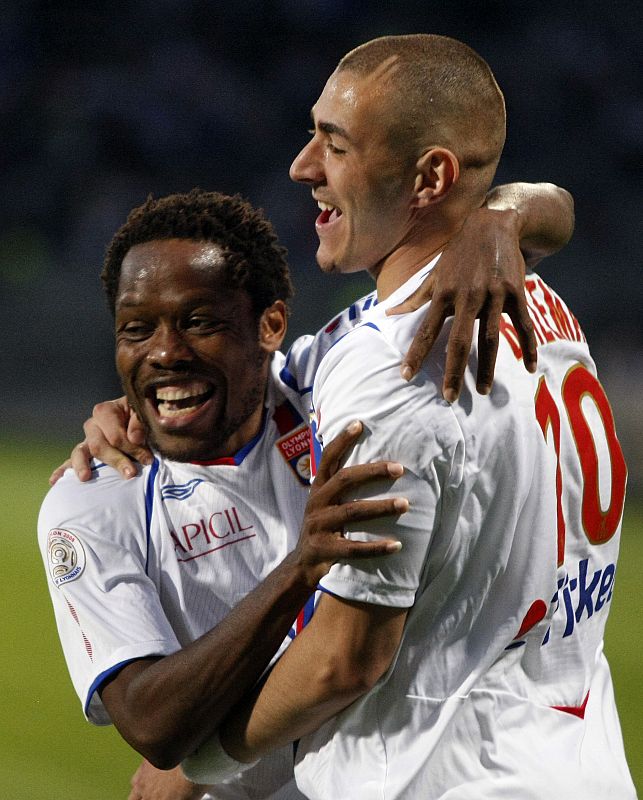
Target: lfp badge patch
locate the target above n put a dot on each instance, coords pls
(65, 556)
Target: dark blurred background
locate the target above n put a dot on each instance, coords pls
(102, 103)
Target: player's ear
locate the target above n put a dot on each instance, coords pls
(437, 171)
(272, 326)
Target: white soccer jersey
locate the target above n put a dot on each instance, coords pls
(500, 688)
(297, 374)
(143, 567)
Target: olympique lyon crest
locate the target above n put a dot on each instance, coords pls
(295, 448)
(65, 556)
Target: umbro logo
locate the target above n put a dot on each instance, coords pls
(180, 491)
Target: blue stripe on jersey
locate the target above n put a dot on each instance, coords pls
(289, 379)
(238, 457)
(149, 505)
(100, 680)
(356, 328)
(327, 591)
(241, 454)
(316, 449)
(96, 467)
(309, 609)
(352, 312)
(304, 616)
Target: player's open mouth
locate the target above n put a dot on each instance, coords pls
(329, 214)
(177, 402)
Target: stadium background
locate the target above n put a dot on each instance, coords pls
(102, 103)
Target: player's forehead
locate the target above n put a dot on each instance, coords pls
(354, 104)
(160, 254)
(171, 263)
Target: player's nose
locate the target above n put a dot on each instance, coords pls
(307, 166)
(168, 348)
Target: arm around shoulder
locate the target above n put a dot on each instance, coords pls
(543, 215)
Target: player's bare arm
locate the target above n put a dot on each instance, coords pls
(482, 273)
(166, 707)
(338, 657)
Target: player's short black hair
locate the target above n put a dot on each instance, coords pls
(254, 259)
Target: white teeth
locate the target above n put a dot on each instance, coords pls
(164, 411)
(325, 206)
(181, 392)
(179, 401)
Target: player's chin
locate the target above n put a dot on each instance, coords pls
(181, 445)
(184, 436)
(325, 264)
(330, 264)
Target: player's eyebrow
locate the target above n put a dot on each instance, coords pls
(330, 128)
(127, 302)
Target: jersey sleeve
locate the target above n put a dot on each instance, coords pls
(359, 379)
(296, 371)
(93, 540)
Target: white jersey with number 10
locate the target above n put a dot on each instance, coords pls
(500, 688)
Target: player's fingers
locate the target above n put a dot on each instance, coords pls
(488, 333)
(113, 424)
(423, 340)
(334, 518)
(116, 459)
(349, 549)
(349, 478)
(524, 326)
(458, 348)
(116, 455)
(137, 436)
(333, 452)
(141, 454)
(57, 474)
(81, 460)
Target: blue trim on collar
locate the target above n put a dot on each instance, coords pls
(236, 459)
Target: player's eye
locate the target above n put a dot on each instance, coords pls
(202, 324)
(334, 149)
(135, 331)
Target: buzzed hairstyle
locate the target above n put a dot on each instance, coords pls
(444, 93)
(253, 258)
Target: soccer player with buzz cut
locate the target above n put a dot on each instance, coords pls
(470, 664)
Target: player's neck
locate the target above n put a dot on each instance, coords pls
(401, 264)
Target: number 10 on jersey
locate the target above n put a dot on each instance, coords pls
(598, 524)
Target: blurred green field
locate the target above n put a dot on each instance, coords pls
(47, 750)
